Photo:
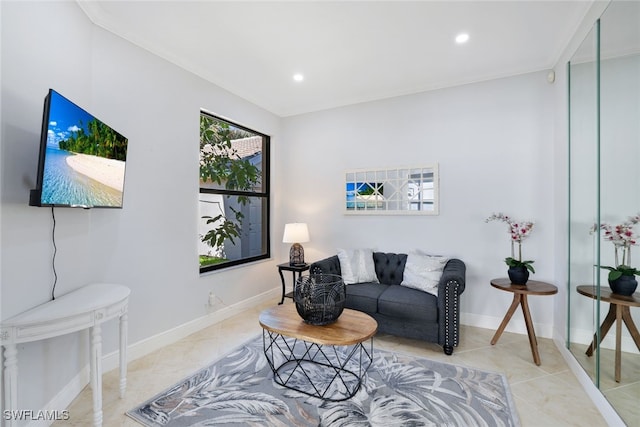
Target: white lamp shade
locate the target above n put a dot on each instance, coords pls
(296, 232)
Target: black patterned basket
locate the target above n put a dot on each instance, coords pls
(319, 298)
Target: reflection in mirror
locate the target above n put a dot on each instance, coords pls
(619, 380)
(583, 199)
(605, 188)
(407, 191)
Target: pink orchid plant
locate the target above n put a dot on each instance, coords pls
(518, 231)
(623, 237)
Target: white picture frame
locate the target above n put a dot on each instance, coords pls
(410, 190)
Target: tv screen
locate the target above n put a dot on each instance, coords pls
(82, 160)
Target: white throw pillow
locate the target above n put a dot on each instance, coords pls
(423, 272)
(357, 266)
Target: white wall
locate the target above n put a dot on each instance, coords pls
(149, 245)
(30, 64)
(500, 146)
(493, 142)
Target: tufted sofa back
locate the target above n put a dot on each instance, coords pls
(389, 267)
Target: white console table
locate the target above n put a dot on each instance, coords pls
(87, 307)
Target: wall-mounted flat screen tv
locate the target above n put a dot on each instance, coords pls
(82, 160)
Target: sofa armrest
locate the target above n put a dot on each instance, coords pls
(454, 271)
(451, 286)
(329, 265)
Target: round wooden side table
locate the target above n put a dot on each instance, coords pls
(619, 312)
(520, 293)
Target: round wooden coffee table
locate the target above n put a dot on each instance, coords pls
(328, 362)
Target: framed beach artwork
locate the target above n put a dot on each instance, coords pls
(404, 191)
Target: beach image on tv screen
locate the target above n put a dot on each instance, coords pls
(84, 160)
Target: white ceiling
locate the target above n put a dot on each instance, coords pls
(348, 51)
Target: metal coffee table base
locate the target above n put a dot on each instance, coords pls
(328, 372)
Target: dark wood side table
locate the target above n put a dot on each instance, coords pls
(520, 293)
(619, 311)
(294, 269)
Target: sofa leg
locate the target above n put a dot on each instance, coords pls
(448, 349)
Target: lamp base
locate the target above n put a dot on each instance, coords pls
(296, 255)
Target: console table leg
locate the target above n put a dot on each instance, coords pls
(11, 380)
(96, 374)
(123, 353)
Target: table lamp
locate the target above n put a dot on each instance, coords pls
(296, 233)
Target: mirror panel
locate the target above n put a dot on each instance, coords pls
(620, 186)
(583, 198)
(604, 97)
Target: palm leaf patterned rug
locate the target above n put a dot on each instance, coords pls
(397, 390)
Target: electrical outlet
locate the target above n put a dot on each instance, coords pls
(212, 299)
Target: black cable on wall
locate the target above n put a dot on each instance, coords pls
(55, 250)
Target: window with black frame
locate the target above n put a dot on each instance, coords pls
(233, 223)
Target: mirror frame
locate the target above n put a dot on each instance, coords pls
(395, 191)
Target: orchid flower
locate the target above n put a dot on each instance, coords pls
(621, 235)
(518, 230)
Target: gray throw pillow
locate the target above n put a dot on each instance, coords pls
(357, 266)
(423, 272)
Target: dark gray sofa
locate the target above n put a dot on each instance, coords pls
(404, 311)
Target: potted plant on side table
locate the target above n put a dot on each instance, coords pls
(518, 231)
(621, 278)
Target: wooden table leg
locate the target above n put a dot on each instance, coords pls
(507, 317)
(626, 316)
(618, 341)
(617, 314)
(530, 331)
(604, 328)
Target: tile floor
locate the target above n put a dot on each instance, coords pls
(546, 395)
(624, 396)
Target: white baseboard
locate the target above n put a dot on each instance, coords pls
(543, 330)
(148, 345)
(64, 398)
(583, 336)
(151, 344)
(608, 413)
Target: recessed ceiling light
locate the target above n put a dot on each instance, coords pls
(298, 77)
(462, 38)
